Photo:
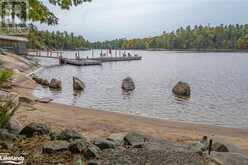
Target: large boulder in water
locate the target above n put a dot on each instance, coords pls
(78, 84)
(55, 84)
(182, 89)
(128, 84)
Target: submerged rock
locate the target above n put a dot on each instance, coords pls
(182, 89)
(35, 128)
(55, 84)
(78, 84)
(45, 82)
(128, 84)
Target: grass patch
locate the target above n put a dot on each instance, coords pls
(5, 75)
(7, 110)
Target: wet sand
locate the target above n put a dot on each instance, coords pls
(93, 123)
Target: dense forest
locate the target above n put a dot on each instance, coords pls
(56, 40)
(198, 37)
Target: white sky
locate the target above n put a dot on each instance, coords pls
(111, 19)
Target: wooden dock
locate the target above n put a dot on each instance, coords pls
(83, 61)
(113, 59)
(79, 62)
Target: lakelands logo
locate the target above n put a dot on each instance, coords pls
(6, 158)
(14, 14)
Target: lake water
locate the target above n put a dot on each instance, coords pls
(219, 83)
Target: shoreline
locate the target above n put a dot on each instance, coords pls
(98, 123)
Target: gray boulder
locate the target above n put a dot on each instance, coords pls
(117, 138)
(182, 89)
(229, 158)
(104, 144)
(133, 138)
(55, 84)
(5, 135)
(69, 135)
(93, 151)
(55, 146)
(219, 147)
(78, 146)
(128, 84)
(14, 126)
(35, 129)
(78, 84)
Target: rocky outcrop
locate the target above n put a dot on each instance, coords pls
(78, 84)
(182, 89)
(128, 84)
(55, 146)
(137, 149)
(35, 129)
(55, 84)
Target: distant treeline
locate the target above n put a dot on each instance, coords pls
(56, 40)
(198, 37)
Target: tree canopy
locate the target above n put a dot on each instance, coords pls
(55, 40)
(37, 11)
(198, 37)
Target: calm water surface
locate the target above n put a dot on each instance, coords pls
(219, 83)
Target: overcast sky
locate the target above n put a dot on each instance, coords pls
(111, 19)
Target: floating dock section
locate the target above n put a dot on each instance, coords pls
(112, 59)
(79, 62)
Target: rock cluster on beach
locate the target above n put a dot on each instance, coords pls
(40, 145)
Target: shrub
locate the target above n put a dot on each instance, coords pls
(7, 110)
(5, 75)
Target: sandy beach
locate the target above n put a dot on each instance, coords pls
(94, 123)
